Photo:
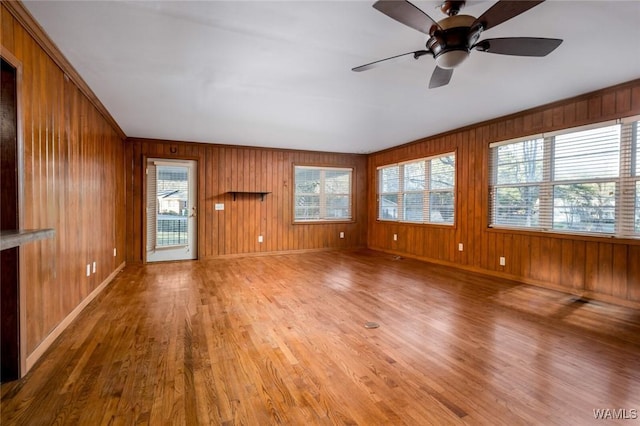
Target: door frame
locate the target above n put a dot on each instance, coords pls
(22, 291)
(143, 202)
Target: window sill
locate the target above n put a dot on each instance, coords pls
(322, 222)
(567, 236)
(405, 223)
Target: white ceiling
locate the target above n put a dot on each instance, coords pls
(278, 73)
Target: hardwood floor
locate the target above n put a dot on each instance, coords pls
(281, 340)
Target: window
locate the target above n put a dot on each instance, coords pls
(322, 194)
(421, 191)
(576, 181)
(631, 191)
(517, 182)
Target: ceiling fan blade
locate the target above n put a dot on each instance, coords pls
(519, 46)
(374, 64)
(406, 13)
(503, 11)
(440, 77)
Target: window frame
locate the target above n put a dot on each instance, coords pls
(630, 186)
(323, 219)
(625, 208)
(426, 192)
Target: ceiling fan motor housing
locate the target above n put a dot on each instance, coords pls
(451, 43)
(452, 7)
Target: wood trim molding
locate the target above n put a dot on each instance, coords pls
(283, 252)
(22, 15)
(57, 331)
(180, 143)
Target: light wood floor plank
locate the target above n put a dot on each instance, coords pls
(281, 340)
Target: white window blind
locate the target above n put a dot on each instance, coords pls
(636, 174)
(517, 174)
(389, 192)
(322, 193)
(575, 181)
(152, 209)
(586, 167)
(630, 185)
(421, 191)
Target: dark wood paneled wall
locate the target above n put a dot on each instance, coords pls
(73, 182)
(235, 230)
(604, 268)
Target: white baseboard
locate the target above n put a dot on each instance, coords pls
(34, 356)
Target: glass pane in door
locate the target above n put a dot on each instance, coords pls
(171, 217)
(172, 191)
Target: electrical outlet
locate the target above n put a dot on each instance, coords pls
(219, 206)
(502, 261)
(260, 239)
(460, 247)
(395, 237)
(342, 235)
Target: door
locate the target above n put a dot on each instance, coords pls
(9, 220)
(171, 210)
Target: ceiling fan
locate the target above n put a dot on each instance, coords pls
(452, 38)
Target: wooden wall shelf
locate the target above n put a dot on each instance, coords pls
(17, 237)
(260, 193)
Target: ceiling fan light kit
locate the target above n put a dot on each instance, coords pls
(451, 58)
(450, 42)
(451, 39)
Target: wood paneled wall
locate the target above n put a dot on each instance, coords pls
(73, 182)
(603, 268)
(235, 230)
